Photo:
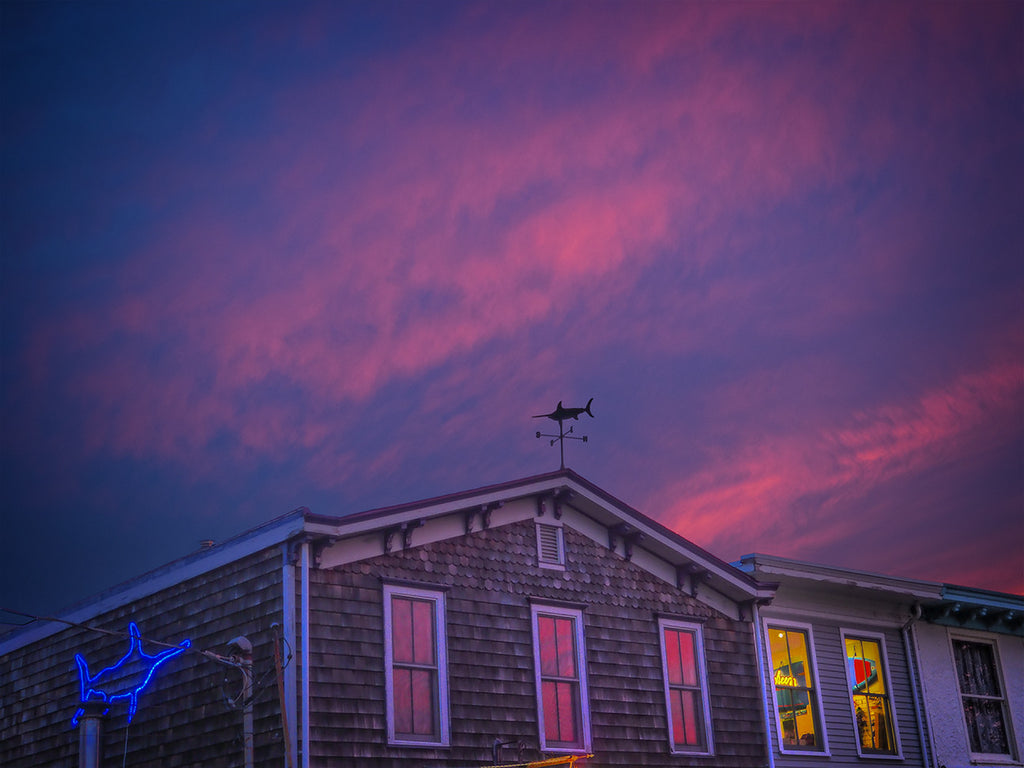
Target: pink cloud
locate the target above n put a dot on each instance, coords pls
(752, 499)
(421, 216)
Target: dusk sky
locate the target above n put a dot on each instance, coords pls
(262, 255)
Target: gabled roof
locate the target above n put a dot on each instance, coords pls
(626, 525)
(627, 531)
(271, 533)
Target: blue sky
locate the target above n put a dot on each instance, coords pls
(264, 255)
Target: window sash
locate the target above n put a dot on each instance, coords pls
(981, 696)
(797, 704)
(563, 716)
(685, 680)
(415, 666)
(867, 675)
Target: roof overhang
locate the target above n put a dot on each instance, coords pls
(626, 527)
(977, 609)
(784, 569)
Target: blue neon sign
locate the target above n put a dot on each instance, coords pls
(125, 680)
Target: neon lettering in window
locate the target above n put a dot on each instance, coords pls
(124, 680)
(795, 698)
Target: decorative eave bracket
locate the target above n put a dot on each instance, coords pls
(558, 499)
(980, 617)
(693, 575)
(628, 535)
(405, 529)
(484, 512)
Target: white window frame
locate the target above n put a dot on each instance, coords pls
(1011, 741)
(441, 648)
(708, 748)
(558, 565)
(770, 688)
(857, 634)
(541, 609)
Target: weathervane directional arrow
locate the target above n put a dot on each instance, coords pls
(561, 414)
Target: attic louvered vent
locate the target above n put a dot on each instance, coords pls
(550, 546)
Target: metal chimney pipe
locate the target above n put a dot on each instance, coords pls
(90, 734)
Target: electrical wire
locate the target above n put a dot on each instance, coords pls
(124, 758)
(227, 660)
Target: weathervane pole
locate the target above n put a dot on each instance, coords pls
(560, 414)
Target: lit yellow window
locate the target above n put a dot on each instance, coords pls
(870, 692)
(796, 702)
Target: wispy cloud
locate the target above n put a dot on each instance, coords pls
(809, 493)
(778, 240)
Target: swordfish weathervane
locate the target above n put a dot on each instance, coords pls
(561, 414)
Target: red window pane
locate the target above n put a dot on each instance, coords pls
(548, 648)
(688, 661)
(557, 640)
(565, 640)
(549, 692)
(559, 670)
(401, 629)
(414, 668)
(685, 718)
(680, 657)
(422, 702)
(559, 712)
(567, 712)
(403, 700)
(412, 624)
(672, 660)
(414, 702)
(423, 632)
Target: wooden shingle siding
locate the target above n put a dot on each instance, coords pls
(182, 719)
(489, 578)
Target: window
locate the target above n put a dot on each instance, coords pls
(415, 666)
(686, 695)
(982, 696)
(796, 698)
(870, 696)
(561, 678)
(550, 546)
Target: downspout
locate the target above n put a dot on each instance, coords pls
(764, 691)
(291, 697)
(304, 619)
(905, 631)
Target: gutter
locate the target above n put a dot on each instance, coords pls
(304, 619)
(290, 697)
(759, 648)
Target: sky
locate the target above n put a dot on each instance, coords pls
(263, 255)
